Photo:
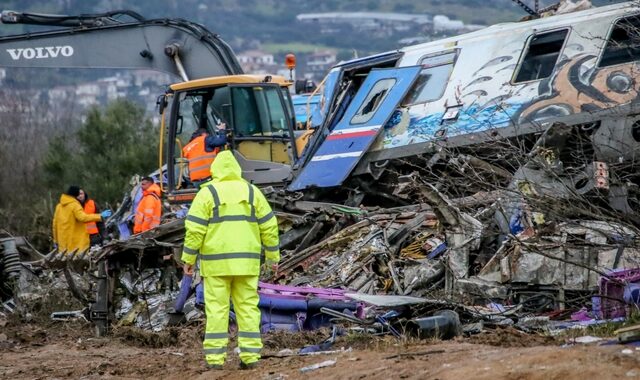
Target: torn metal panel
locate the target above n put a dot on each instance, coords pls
(372, 106)
(574, 257)
(386, 301)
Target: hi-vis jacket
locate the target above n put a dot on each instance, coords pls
(199, 159)
(149, 210)
(229, 224)
(90, 208)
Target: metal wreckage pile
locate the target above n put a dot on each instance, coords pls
(548, 242)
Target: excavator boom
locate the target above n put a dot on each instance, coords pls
(174, 46)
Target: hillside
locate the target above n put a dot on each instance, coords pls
(270, 25)
(274, 21)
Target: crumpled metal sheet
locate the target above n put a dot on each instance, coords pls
(566, 257)
(149, 281)
(425, 272)
(155, 315)
(386, 301)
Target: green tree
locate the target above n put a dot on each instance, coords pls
(112, 145)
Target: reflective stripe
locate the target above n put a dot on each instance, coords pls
(214, 194)
(210, 155)
(216, 202)
(265, 218)
(251, 196)
(216, 218)
(199, 158)
(189, 250)
(246, 334)
(271, 248)
(149, 210)
(250, 349)
(224, 256)
(216, 335)
(197, 220)
(233, 218)
(198, 168)
(213, 351)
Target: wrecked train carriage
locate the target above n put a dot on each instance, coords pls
(486, 101)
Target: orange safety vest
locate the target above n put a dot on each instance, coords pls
(199, 159)
(90, 208)
(149, 210)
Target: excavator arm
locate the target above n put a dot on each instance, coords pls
(179, 47)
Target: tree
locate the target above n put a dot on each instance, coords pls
(112, 145)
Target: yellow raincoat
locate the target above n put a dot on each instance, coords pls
(69, 229)
(229, 225)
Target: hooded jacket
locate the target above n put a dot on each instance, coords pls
(149, 210)
(230, 224)
(69, 229)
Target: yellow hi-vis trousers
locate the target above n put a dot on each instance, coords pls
(244, 294)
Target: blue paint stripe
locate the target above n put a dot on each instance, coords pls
(323, 173)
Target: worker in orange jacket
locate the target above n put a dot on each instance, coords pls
(201, 151)
(150, 207)
(90, 208)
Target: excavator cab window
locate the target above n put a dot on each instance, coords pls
(261, 123)
(259, 111)
(256, 119)
(196, 111)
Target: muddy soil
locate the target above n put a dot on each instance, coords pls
(69, 350)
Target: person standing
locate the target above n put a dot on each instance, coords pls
(149, 209)
(69, 229)
(89, 206)
(229, 225)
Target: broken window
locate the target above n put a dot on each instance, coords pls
(542, 55)
(623, 44)
(432, 80)
(373, 100)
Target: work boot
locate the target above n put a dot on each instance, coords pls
(216, 367)
(244, 365)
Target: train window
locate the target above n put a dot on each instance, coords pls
(623, 44)
(374, 98)
(542, 55)
(432, 80)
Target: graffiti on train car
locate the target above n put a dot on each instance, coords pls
(576, 86)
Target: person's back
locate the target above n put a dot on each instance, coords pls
(198, 156)
(229, 225)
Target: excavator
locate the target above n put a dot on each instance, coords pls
(254, 111)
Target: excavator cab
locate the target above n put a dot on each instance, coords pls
(254, 112)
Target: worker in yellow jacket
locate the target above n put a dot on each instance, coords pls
(229, 225)
(69, 229)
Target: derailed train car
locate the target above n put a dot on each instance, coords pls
(565, 85)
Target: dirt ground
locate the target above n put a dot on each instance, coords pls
(69, 350)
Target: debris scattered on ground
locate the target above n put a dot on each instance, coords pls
(525, 257)
(326, 363)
